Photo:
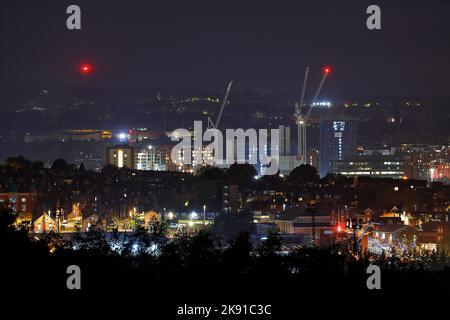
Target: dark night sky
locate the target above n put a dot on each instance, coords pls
(262, 45)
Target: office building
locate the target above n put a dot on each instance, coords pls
(337, 142)
(150, 158)
(440, 171)
(369, 166)
(120, 156)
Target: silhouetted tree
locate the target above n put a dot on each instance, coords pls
(18, 163)
(270, 261)
(242, 174)
(270, 246)
(60, 165)
(37, 165)
(303, 174)
(331, 178)
(7, 218)
(110, 169)
(211, 173)
(203, 251)
(237, 257)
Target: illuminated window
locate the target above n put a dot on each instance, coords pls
(338, 125)
(120, 158)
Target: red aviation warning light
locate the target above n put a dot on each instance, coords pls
(85, 68)
(326, 70)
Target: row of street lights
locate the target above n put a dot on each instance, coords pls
(193, 216)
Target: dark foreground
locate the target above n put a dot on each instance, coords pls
(153, 273)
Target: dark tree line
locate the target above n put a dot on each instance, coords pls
(149, 264)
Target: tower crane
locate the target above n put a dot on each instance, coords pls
(301, 119)
(214, 125)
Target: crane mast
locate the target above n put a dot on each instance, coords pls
(305, 81)
(215, 125)
(302, 119)
(316, 95)
(211, 124)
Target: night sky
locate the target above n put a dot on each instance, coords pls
(262, 45)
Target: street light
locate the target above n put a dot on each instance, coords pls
(194, 215)
(204, 214)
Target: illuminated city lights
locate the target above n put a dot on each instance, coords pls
(193, 156)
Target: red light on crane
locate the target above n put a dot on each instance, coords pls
(85, 68)
(326, 70)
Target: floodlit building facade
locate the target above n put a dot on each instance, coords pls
(120, 156)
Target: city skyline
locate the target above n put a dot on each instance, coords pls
(225, 158)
